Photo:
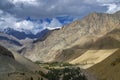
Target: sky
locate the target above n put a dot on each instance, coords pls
(27, 14)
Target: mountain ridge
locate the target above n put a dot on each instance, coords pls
(80, 32)
(22, 35)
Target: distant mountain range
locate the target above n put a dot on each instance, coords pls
(23, 33)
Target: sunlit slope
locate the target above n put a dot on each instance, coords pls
(92, 57)
(108, 69)
(100, 50)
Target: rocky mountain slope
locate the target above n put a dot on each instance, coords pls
(22, 35)
(109, 68)
(100, 50)
(15, 40)
(93, 43)
(10, 42)
(74, 39)
(16, 67)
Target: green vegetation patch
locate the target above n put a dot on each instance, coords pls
(54, 64)
(64, 74)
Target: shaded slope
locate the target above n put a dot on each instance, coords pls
(8, 63)
(27, 63)
(68, 54)
(16, 67)
(10, 42)
(5, 52)
(104, 43)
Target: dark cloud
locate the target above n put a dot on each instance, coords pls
(6, 5)
(13, 13)
(53, 8)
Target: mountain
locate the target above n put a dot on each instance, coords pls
(16, 67)
(45, 25)
(74, 39)
(92, 43)
(109, 67)
(106, 45)
(15, 40)
(10, 42)
(23, 34)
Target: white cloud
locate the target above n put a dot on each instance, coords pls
(112, 8)
(8, 21)
(112, 5)
(106, 1)
(30, 2)
(26, 25)
(53, 8)
(54, 24)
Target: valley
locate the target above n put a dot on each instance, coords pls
(86, 49)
